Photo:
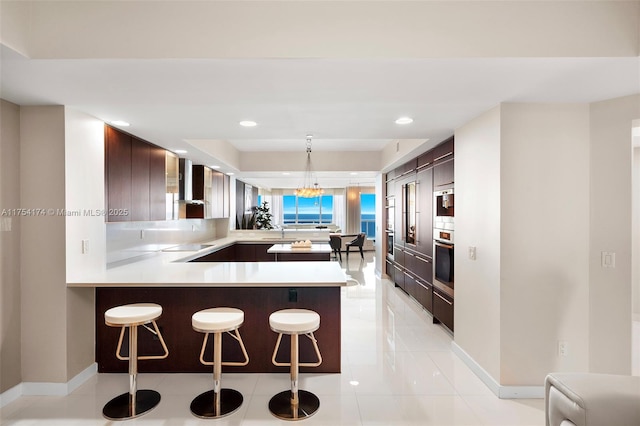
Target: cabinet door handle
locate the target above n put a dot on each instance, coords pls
(409, 254)
(442, 156)
(445, 300)
(423, 259)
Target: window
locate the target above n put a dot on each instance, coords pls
(298, 210)
(368, 214)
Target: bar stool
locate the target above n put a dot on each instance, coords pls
(218, 402)
(294, 404)
(135, 402)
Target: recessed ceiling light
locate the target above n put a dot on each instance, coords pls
(230, 173)
(353, 173)
(404, 120)
(179, 151)
(248, 123)
(286, 173)
(215, 167)
(120, 123)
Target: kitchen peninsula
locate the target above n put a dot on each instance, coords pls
(183, 286)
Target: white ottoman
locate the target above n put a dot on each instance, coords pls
(589, 399)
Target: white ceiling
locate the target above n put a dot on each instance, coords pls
(347, 104)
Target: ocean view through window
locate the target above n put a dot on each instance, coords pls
(368, 214)
(301, 211)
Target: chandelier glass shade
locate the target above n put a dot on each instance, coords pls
(310, 187)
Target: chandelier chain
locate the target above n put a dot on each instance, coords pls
(310, 187)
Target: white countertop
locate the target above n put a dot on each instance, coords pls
(171, 269)
(286, 248)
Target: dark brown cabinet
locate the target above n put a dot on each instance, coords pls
(423, 267)
(409, 283)
(444, 150)
(412, 186)
(157, 183)
(424, 294)
(424, 219)
(390, 271)
(425, 159)
(443, 174)
(140, 156)
(443, 308)
(398, 275)
(135, 181)
(118, 175)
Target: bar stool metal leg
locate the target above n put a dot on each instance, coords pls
(135, 402)
(294, 404)
(217, 402)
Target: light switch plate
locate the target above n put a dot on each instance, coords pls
(472, 253)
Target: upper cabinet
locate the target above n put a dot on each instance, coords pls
(443, 171)
(117, 175)
(212, 188)
(135, 178)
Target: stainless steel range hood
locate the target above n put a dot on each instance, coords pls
(185, 182)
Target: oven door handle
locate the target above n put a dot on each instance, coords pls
(438, 243)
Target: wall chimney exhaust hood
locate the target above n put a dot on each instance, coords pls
(185, 182)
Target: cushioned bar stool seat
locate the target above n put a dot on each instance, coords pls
(294, 404)
(218, 402)
(135, 402)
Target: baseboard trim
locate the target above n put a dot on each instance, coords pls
(48, 389)
(502, 392)
(10, 395)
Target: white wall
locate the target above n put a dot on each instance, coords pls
(610, 230)
(42, 251)
(565, 196)
(84, 194)
(544, 235)
(10, 324)
(635, 264)
(477, 288)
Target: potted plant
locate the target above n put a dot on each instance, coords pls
(263, 216)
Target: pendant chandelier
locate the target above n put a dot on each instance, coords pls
(309, 188)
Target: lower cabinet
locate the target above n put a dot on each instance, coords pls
(398, 276)
(424, 294)
(390, 271)
(443, 308)
(409, 284)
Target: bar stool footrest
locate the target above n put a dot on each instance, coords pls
(204, 405)
(120, 408)
(280, 405)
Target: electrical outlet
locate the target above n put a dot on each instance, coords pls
(608, 259)
(563, 347)
(142, 234)
(472, 253)
(85, 246)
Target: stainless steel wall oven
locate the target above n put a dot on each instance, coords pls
(390, 238)
(443, 256)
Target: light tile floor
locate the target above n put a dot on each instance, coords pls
(397, 369)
